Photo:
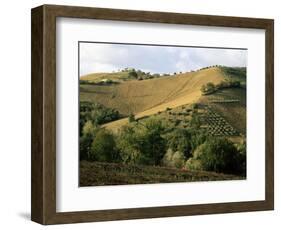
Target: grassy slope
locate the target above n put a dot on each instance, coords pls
(96, 173)
(235, 73)
(148, 97)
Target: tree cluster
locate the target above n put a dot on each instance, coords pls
(154, 142)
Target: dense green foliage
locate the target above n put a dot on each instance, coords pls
(219, 155)
(142, 143)
(96, 113)
(132, 118)
(86, 139)
(91, 116)
(103, 147)
(180, 140)
(239, 72)
(211, 88)
(173, 159)
(153, 142)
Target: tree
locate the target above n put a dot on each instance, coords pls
(197, 138)
(242, 148)
(133, 74)
(208, 88)
(88, 128)
(85, 140)
(96, 113)
(180, 140)
(173, 159)
(104, 147)
(219, 155)
(129, 145)
(153, 144)
(132, 117)
(195, 121)
(142, 143)
(85, 147)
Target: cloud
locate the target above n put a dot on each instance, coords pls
(99, 57)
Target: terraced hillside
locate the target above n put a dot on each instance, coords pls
(231, 105)
(222, 114)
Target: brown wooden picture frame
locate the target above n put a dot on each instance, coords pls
(43, 207)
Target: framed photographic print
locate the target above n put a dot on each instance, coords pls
(140, 114)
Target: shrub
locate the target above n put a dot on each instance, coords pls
(178, 159)
(193, 164)
(132, 118)
(208, 88)
(242, 148)
(167, 159)
(88, 128)
(85, 140)
(103, 147)
(96, 113)
(197, 138)
(177, 122)
(195, 106)
(180, 140)
(85, 147)
(195, 121)
(173, 159)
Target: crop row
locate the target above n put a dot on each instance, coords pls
(217, 125)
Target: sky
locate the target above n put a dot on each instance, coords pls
(101, 57)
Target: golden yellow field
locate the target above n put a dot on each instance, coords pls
(148, 97)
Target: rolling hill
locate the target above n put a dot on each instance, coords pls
(180, 104)
(148, 97)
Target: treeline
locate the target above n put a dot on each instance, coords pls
(210, 87)
(96, 114)
(141, 75)
(102, 82)
(157, 143)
